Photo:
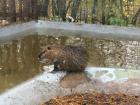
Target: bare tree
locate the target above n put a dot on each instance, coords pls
(12, 10)
(20, 10)
(61, 5)
(45, 7)
(94, 18)
(60, 8)
(26, 9)
(4, 8)
(54, 9)
(75, 8)
(136, 17)
(34, 9)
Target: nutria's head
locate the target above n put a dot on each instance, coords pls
(49, 54)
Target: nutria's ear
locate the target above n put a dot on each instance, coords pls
(49, 48)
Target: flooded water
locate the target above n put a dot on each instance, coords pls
(18, 57)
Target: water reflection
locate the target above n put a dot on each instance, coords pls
(18, 57)
(18, 61)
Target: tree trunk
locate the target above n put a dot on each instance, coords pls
(20, 10)
(94, 18)
(60, 8)
(136, 16)
(103, 12)
(12, 8)
(54, 8)
(3, 2)
(34, 9)
(75, 7)
(26, 9)
(45, 7)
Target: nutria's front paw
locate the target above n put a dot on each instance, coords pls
(48, 68)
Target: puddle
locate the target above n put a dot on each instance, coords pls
(112, 74)
(18, 57)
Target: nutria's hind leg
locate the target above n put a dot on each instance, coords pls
(56, 66)
(73, 79)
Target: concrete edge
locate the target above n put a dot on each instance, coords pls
(11, 31)
(99, 31)
(61, 28)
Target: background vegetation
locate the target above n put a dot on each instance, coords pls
(112, 12)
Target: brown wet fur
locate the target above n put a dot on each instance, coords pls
(67, 58)
(72, 59)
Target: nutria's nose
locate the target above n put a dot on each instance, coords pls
(41, 55)
(38, 58)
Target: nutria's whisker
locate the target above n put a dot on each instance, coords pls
(43, 61)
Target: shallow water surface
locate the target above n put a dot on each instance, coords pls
(18, 57)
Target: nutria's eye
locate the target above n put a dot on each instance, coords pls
(49, 48)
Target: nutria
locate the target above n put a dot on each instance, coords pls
(67, 57)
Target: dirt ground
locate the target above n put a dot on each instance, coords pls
(95, 99)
